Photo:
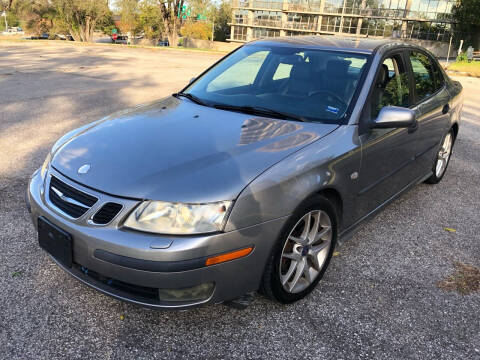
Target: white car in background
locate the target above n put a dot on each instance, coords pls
(14, 31)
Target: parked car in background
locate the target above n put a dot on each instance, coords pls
(13, 31)
(246, 179)
(64, 37)
(119, 39)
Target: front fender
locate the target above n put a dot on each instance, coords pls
(325, 164)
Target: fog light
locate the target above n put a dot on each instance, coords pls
(195, 293)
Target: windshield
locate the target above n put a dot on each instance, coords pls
(316, 85)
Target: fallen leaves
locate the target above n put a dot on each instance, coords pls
(465, 279)
(450, 230)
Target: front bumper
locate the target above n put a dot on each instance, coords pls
(131, 266)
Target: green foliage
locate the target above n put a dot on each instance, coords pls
(222, 16)
(128, 11)
(462, 57)
(466, 13)
(80, 17)
(197, 30)
(150, 20)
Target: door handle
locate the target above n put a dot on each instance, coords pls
(446, 109)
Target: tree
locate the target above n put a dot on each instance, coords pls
(128, 11)
(150, 20)
(467, 16)
(170, 11)
(222, 16)
(38, 16)
(81, 17)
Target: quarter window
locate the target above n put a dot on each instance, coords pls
(423, 75)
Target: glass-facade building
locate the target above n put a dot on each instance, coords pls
(418, 19)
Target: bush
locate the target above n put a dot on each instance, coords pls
(197, 30)
(462, 57)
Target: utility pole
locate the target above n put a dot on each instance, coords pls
(4, 14)
(213, 29)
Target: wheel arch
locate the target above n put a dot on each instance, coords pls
(334, 196)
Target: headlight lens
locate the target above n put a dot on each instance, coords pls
(46, 163)
(178, 219)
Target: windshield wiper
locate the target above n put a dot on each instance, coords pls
(260, 110)
(190, 97)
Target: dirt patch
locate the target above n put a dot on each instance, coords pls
(465, 279)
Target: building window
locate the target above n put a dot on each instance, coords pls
(241, 17)
(267, 18)
(330, 23)
(350, 25)
(240, 33)
(262, 32)
(304, 5)
(268, 4)
(333, 6)
(302, 21)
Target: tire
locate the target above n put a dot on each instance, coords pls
(279, 265)
(443, 155)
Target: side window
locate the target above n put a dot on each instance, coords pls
(423, 75)
(242, 73)
(283, 71)
(391, 87)
(439, 79)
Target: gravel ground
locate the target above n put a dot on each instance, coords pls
(378, 299)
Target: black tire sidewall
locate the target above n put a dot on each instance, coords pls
(316, 202)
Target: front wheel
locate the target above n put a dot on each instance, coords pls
(302, 253)
(443, 158)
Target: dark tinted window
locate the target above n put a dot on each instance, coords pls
(423, 75)
(391, 87)
(439, 79)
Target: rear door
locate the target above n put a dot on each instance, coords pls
(431, 104)
(387, 154)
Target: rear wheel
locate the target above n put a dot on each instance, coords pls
(443, 158)
(302, 252)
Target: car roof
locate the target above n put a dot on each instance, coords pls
(361, 45)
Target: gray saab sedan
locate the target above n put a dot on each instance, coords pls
(247, 178)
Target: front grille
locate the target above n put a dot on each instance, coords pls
(71, 201)
(107, 213)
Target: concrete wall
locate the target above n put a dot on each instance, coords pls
(439, 49)
(207, 44)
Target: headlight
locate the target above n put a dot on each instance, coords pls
(178, 219)
(46, 163)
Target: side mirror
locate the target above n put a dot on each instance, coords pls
(192, 80)
(394, 117)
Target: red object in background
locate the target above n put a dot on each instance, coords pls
(114, 36)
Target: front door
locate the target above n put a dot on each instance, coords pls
(387, 154)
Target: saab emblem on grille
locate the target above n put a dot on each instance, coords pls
(83, 169)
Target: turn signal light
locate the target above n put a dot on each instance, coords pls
(229, 256)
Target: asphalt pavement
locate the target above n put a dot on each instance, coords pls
(378, 299)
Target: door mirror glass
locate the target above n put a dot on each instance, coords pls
(394, 117)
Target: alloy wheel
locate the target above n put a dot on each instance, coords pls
(305, 251)
(443, 155)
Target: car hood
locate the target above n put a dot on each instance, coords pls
(175, 150)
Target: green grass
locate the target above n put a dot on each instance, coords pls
(472, 68)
